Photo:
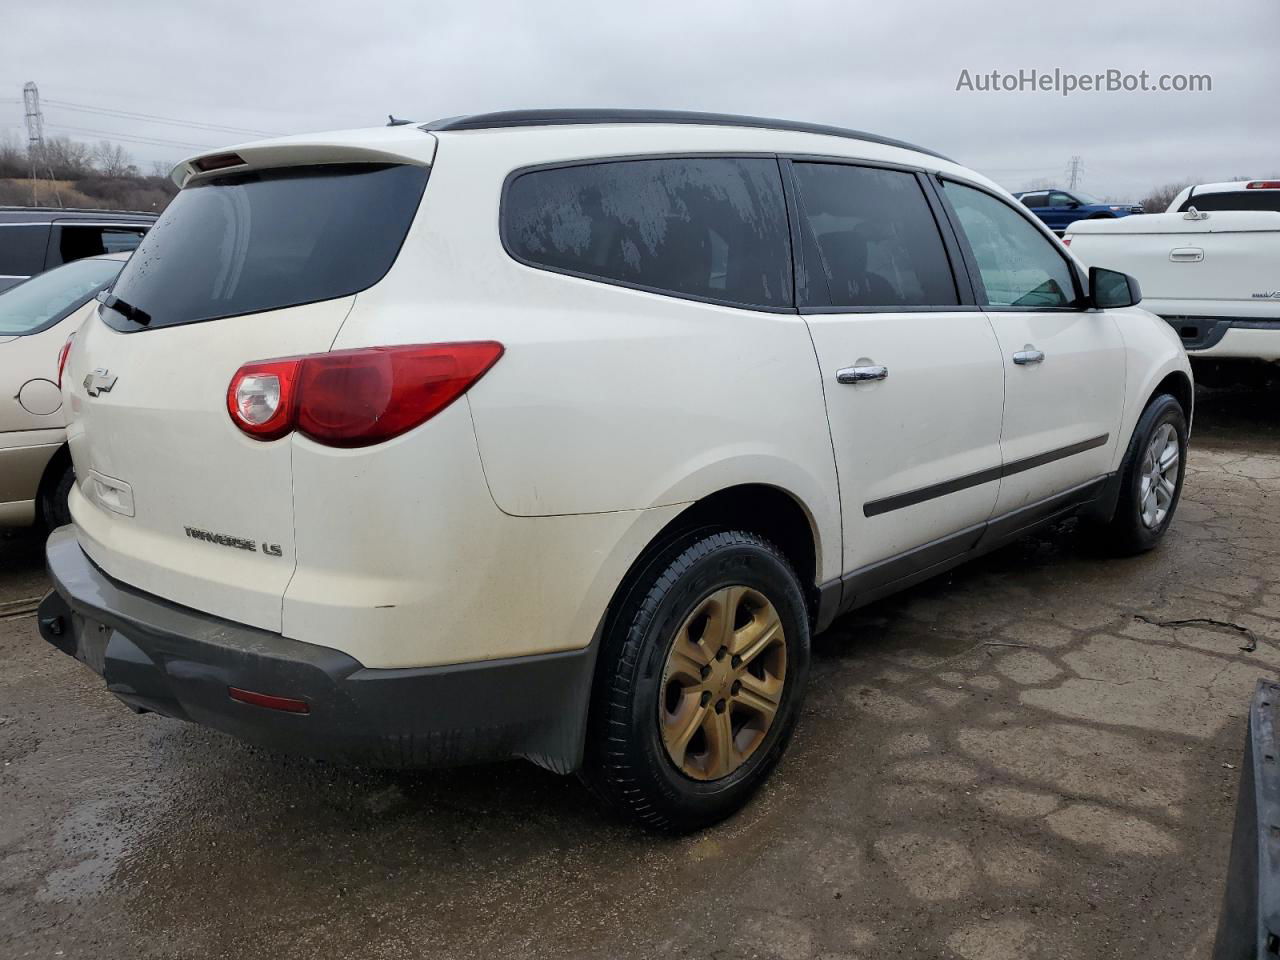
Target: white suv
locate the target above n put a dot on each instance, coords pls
(557, 435)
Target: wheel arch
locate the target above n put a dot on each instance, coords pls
(1178, 385)
(59, 462)
(763, 509)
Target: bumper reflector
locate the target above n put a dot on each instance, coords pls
(287, 704)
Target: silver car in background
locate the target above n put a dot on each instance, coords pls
(37, 318)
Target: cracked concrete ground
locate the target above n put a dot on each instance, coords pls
(1014, 761)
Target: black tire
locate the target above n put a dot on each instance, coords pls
(627, 763)
(54, 511)
(1126, 533)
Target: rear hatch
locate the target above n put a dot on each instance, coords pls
(264, 259)
(1224, 264)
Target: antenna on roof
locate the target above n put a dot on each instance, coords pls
(393, 122)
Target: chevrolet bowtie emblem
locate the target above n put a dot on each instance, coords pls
(100, 381)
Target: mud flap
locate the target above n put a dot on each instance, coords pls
(1249, 924)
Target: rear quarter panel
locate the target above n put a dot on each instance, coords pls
(607, 399)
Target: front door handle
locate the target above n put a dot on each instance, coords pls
(1027, 356)
(861, 374)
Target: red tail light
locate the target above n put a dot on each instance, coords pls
(62, 358)
(354, 398)
(1066, 241)
(1263, 185)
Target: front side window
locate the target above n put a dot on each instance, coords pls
(878, 242)
(1061, 200)
(251, 242)
(1018, 264)
(707, 227)
(42, 301)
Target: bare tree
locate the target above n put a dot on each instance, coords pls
(13, 156)
(1158, 200)
(66, 159)
(112, 160)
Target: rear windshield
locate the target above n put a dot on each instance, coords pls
(245, 243)
(42, 301)
(1234, 200)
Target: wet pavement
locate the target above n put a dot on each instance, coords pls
(1021, 759)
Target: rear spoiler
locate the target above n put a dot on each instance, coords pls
(1249, 924)
(377, 146)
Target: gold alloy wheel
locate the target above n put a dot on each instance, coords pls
(722, 683)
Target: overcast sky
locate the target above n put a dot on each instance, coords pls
(889, 67)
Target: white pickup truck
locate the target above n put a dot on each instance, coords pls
(1209, 265)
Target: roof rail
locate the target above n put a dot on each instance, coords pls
(541, 118)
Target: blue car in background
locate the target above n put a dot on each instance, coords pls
(1061, 208)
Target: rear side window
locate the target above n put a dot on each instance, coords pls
(1234, 200)
(1036, 199)
(251, 242)
(878, 242)
(76, 242)
(704, 227)
(1018, 264)
(22, 249)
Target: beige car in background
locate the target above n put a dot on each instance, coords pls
(36, 318)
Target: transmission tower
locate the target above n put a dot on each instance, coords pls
(36, 155)
(1075, 170)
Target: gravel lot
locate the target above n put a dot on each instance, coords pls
(1016, 760)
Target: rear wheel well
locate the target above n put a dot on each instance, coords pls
(767, 511)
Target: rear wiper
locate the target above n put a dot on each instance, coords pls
(126, 310)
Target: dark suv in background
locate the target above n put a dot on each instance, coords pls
(35, 239)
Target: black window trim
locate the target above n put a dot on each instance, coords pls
(975, 275)
(53, 248)
(959, 275)
(640, 287)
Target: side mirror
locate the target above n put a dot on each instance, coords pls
(1073, 205)
(1109, 289)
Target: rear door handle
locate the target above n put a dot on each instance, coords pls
(861, 374)
(1028, 356)
(1186, 254)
